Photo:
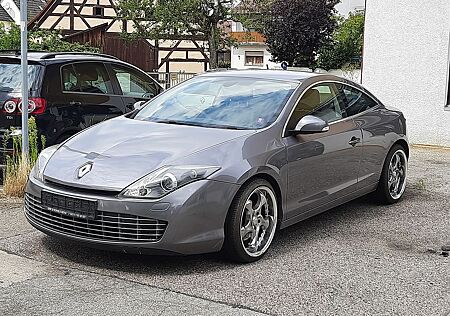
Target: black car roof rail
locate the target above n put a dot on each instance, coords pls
(53, 55)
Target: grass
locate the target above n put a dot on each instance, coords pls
(15, 175)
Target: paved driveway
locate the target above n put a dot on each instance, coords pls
(357, 259)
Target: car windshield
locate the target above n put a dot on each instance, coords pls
(11, 76)
(220, 102)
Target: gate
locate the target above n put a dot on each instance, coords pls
(170, 79)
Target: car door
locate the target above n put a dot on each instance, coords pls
(134, 85)
(324, 166)
(368, 115)
(89, 93)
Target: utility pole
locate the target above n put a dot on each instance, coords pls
(24, 62)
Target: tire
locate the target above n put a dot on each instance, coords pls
(256, 217)
(386, 192)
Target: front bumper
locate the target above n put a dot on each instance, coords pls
(191, 219)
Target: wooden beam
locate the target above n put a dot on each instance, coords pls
(188, 60)
(166, 59)
(81, 15)
(72, 23)
(59, 19)
(38, 19)
(203, 52)
(181, 49)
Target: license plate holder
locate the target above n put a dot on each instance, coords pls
(69, 206)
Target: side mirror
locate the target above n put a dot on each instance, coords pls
(139, 105)
(310, 124)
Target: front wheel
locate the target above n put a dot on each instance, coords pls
(251, 222)
(393, 177)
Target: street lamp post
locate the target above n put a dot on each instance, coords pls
(24, 62)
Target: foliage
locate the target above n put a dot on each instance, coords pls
(253, 14)
(297, 29)
(40, 40)
(173, 19)
(346, 47)
(17, 169)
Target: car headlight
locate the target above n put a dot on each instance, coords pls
(165, 180)
(41, 162)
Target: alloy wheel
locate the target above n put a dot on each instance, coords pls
(397, 174)
(258, 221)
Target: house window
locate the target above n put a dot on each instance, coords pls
(254, 58)
(98, 11)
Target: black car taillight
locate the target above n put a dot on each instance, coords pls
(14, 106)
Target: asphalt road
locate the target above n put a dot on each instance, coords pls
(357, 259)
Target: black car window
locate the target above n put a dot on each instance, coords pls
(356, 101)
(134, 84)
(322, 100)
(86, 78)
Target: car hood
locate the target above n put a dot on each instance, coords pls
(122, 150)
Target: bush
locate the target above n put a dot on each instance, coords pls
(17, 170)
(40, 40)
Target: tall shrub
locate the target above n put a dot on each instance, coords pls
(15, 174)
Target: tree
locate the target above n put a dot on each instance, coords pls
(297, 29)
(177, 19)
(345, 50)
(40, 40)
(253, 14)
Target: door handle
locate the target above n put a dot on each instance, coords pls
(354, 141)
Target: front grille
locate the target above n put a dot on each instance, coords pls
(106, 226)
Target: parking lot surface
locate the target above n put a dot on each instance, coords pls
(358, 259)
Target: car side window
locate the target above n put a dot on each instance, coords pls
(134, 84)
(356, 101)
(322, 100)
(86, 78)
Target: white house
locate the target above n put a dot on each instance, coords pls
(251, 51)
(406, 63)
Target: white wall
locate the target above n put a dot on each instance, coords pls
(406, 57)
(238, 57)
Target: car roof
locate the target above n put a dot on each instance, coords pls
(58, 56)
(296, 76)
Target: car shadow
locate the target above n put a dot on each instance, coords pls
(286, 240)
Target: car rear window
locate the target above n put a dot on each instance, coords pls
(11, 76)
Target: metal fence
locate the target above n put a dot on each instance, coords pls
(170, 79)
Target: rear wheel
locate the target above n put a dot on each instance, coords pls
(251, 222)
(393, 177)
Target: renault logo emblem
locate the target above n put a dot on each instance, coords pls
(84, 170)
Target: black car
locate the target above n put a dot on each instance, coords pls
(70, 91)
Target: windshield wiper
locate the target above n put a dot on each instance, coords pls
(174, 122)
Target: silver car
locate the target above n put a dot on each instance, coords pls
(220, 162)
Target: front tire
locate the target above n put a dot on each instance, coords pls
(251, 222)
(393, 176)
